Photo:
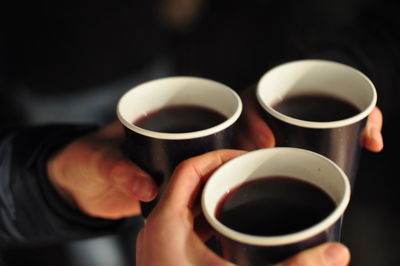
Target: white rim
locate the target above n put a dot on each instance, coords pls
(283, 239)
(187, 135)
(311, 124)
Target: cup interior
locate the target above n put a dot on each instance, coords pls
(301, 164)
(154, 95)
(317, 77)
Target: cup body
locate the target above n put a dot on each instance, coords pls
(244, 249)
(338, 140)
(159, 153)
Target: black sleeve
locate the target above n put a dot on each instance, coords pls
(31, 211)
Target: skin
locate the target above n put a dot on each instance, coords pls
(172, 236)
(258, 135)
(372, 137)
(93, 175)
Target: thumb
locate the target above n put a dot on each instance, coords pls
(133, 181)
(328, 254)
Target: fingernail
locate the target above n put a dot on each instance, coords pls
(144, 188)
(335, 254)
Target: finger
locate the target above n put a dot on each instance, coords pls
(244, 142)
(259, 131)
(205, 256)
(203, 228)
(133, 181)
(254, 128)
(190, 174)
(113, 130)
(328, 254)
(372, 137)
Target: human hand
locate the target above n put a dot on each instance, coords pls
(256, 134)
(327, 254)
(171, 235)
(168, 237)
(93, 175)
(372, 136)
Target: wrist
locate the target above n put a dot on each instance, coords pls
(55, 176)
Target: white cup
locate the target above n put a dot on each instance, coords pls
(245, 249)
(338, 140)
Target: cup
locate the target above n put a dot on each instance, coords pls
(332, 128)
(273, 236)
(159, 149)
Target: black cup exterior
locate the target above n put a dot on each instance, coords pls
(247, 249)
(341, 144)
(244, 254)
(159, 157)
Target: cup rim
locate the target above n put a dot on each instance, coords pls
(313, 124)
(185, 135)
(287, 238)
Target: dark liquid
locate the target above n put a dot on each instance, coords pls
(274, 206)
(318, 108)
(180, 119)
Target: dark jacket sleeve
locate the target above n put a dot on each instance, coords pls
(31, 211)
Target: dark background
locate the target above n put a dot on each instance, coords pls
(71, 64)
